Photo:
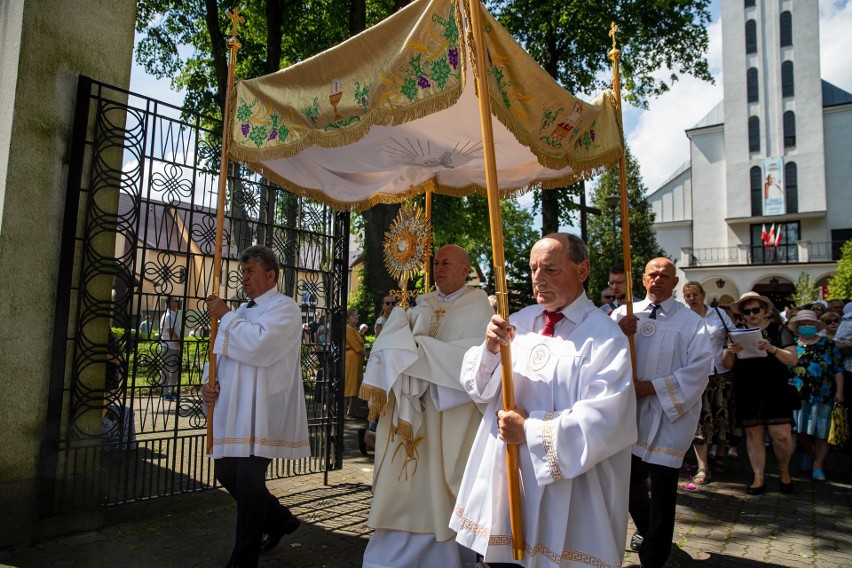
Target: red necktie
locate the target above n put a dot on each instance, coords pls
(550, 321)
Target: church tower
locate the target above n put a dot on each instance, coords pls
(774, 140)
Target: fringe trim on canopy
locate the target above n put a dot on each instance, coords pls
(377, 400)
(345, 136)
(587, 169)
(584, 169)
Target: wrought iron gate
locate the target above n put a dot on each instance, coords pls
(139, 228)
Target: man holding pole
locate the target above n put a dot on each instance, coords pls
(673, 361)
(573, 422)
(427, 421)
(259, 411)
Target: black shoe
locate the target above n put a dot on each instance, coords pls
(785, 487)
(271, 540)
(636, 542)
(757, 490)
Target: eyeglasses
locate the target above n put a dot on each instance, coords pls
(617, 283)
(750, 311)
(831, 321)
(390, 303)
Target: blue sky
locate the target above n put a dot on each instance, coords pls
(656, 136)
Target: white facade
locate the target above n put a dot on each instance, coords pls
(774, 152)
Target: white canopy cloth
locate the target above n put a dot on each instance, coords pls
(393, 112)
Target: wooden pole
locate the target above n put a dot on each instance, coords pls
(427, 266)
(233, 45)
(499, 262)
(615, 55)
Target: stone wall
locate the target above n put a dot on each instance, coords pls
(46, 46)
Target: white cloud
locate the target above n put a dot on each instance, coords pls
(657, 138)
(835, 21)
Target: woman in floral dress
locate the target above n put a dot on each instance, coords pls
(818, 374)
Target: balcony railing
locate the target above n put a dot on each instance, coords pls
(799, 252)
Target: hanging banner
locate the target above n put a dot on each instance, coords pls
(773, 187)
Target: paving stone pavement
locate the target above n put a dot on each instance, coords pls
(717, 524)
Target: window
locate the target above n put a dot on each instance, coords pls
(755, 183)
(838, 239)
(789, 129)
(749, 4)
(787, 87)
(791, 187)
(786, 29)
(751, 36)
(754, 134)
(751, 85)
(787, 249)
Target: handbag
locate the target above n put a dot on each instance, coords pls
(839, 432)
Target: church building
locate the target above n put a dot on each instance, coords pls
(766, 195)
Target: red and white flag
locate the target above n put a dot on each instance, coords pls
(763, 235)
(771, 238)
(778, 237)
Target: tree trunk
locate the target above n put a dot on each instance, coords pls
(375, 277)
(549, 199)
(357, 17)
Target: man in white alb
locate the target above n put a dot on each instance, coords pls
(427, 423)
(673, 362)
(260, 402)
(573, 422)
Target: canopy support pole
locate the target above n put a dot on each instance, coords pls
(233, 45)
(427, 266)
(615, 55)
(499, 262)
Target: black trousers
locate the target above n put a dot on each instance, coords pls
(257, 509)
(654, 514)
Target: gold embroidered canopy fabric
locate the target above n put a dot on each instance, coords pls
(392, 112)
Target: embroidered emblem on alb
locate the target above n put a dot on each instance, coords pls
(539, 357)
(648, 329)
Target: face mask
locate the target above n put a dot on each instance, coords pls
(807, 330)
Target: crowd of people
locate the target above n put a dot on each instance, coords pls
(595, 443)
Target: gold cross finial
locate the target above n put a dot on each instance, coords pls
(236, 20)
(612, 29)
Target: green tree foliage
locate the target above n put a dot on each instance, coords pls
(464, 222)
(569, 39)
(184, 40)
(840, 285)
(605, 235)
(806, 290)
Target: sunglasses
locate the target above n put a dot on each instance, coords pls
(390, 303)
(831, 321)
(609, 297)
(750, 311)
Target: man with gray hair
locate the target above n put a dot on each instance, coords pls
(260, 402)
(573, 423)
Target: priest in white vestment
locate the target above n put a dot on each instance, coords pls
(259, 401)
(426, 421)
(673, 362)
(573, 422)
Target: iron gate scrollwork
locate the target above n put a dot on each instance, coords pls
(126, 420)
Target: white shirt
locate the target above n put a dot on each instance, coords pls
(170, 329)
(718, 335)
(673, 353)
(575, 464)
(261, 406)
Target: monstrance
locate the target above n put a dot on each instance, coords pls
(408, 245)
